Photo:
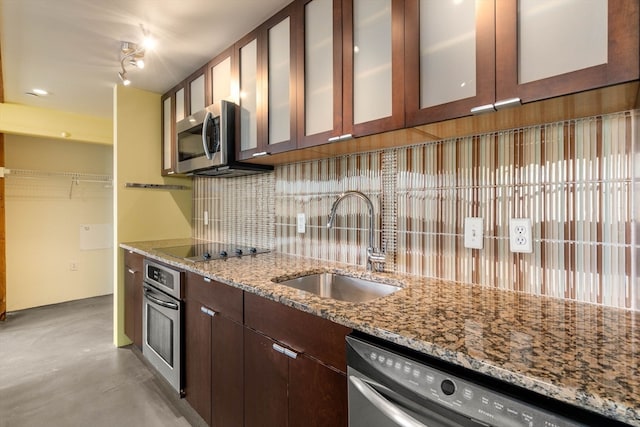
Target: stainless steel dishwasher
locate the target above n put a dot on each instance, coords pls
(390, 386)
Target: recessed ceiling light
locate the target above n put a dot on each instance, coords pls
(40, 92)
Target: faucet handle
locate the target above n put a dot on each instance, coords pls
(377, 259)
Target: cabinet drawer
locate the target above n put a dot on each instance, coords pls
(133, 261)
(217, 296)
(303, 332)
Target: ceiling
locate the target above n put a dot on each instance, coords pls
(71, 48)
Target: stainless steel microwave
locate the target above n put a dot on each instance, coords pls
(205, 143)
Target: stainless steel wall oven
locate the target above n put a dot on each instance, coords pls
(162, 321)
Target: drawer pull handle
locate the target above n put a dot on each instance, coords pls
(131, 271)
(261, 154)
(207, 279)
(208, 312)
(285, 351)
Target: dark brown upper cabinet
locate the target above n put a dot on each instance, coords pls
(450, 58)
(195, 92)
(219, 80)
(266, 67)
(550, 48)
(496, 53)
(173, 110)
(350, 69)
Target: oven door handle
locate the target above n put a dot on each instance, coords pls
(148, 294)
(390, 410)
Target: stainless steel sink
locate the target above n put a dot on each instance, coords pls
(340, 287)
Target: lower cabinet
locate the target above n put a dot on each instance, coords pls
(133, 276)
(294, 366)
(282, 367)
(213, 351)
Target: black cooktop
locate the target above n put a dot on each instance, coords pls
(207, 251)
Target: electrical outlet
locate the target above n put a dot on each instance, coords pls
(520, 239)
(73, 265)
(473, 237)
(301, 223)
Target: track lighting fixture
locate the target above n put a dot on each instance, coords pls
(133, 54)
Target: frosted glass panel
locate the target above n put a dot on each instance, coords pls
(371, 60)
(557, 37)
(447, 51)
(221, 82)
(248, 96)
(196, 90)
(166, 134)
(179, 105)
(318, 76)
(279, 70)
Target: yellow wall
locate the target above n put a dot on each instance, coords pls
(141, 214)
(33, 121)
(43, 222)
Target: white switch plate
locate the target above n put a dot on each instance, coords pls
(206, 217)
(302, 223)
(520, 238)
(473, 237)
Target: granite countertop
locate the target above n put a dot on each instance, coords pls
(583, 354)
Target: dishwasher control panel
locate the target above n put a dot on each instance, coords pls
(474, 401)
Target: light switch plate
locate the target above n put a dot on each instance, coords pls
(301, 223)
(473, 233)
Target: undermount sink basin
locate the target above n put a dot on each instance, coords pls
(340, 287)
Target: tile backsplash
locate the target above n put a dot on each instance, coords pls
(578, 181)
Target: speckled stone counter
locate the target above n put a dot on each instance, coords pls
(582, 354)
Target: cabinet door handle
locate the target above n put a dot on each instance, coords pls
(505, 103)
(206, 311)
(131, 271)
(285, 351)
(344, 137)
(483, 109)
(207, 279)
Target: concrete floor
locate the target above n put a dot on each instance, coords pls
(59, 367)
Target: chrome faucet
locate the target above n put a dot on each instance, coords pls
(374, 256)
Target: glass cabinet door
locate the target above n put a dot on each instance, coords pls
(548, 48)
(450, 58)
(168, 140)
(320, 72)
(248, 96)
(373, 66)
(220, 74)
(196, 94)
(180, 104)
(279, 51)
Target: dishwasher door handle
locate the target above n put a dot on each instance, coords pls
(390, 410)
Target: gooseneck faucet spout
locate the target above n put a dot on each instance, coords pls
(374, 256)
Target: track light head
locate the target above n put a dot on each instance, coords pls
(124, 78)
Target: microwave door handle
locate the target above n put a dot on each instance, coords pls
(205, 143)
(389, 410)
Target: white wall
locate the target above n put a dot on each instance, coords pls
(43, 222)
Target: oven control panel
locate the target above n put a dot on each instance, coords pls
(163, 278)
(489, 407)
